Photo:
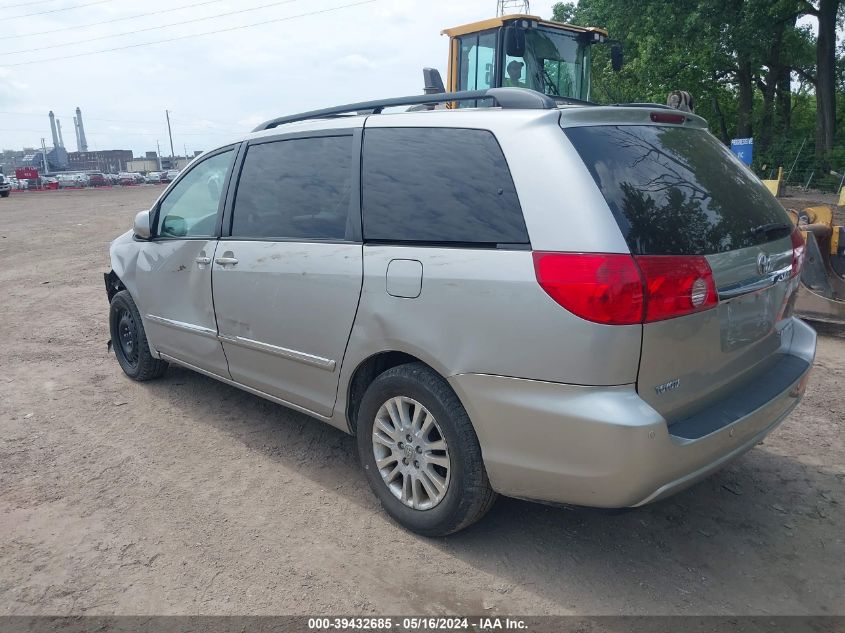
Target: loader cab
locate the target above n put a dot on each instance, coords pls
(522, 51)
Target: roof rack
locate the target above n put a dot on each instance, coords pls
(507, 98)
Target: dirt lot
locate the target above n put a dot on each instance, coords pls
(185, 496)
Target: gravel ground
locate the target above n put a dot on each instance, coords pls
(186, 496)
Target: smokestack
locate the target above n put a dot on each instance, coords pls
(76, 130)
(83, 144)
(53, 129)
(61, 140)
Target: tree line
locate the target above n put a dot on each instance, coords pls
(768, 69)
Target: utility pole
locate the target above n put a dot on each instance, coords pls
(158, 154)
(170, 134)
(44, 156)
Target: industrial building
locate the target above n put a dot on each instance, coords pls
(58, 159)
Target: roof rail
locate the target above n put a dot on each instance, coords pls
(508, 98)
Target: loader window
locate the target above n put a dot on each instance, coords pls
(554, 63)
(476, 63)
(439, 186)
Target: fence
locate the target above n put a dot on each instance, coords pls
(801, 168)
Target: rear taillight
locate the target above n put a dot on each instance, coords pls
(799, 247)
(676, 286)
(619, 289)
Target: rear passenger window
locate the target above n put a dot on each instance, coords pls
(295, 189)
(438, 185)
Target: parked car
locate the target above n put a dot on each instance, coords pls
(575, 304)
(97, 179)
(70, 180)
(48, 182)
(154, 177)
(5, 187)
(171, 175)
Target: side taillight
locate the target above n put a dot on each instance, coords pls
(799, 247)
(604, 288)
(616, 289)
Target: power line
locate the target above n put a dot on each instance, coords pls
(151, 28)
(182, 122)
(122, 133)
(76, 6)
(123, 19)
(25, 4)
(185, 37)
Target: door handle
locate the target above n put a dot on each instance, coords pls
(203, 261)
(223, 261)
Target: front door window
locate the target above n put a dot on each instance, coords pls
(190, 208)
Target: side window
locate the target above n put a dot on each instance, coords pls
(477, 59)
(190, 208)
(438, 185)
(295, 189)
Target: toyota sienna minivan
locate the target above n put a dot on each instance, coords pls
(568, 303)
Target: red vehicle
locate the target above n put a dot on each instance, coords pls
(97, 179)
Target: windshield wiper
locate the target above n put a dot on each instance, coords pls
(772, 227)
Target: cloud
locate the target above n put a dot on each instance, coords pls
(216, 84)
(355, 62)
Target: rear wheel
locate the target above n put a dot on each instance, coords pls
(130, 341)
(420, 453)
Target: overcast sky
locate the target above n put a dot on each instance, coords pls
(215, 85)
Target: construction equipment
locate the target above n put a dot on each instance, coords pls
(522, 51)
(821, 296)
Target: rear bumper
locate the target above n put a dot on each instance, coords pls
(604, 446)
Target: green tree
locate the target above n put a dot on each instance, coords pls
(750, 66)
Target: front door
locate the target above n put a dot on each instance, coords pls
(174, 268)
(288, 278)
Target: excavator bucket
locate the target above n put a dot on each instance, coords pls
(821, 296)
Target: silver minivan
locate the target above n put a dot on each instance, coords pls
(569, 303)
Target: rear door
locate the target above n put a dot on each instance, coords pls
(287, 277)
(676, 191)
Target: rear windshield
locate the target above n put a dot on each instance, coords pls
(678, 191)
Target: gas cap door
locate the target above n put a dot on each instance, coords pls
(404, 278)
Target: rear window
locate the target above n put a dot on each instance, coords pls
(677, 191)
(436, 185)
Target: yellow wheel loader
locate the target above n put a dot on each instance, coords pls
(521, 51)
(821, 296)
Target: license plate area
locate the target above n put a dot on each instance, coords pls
(749, 318)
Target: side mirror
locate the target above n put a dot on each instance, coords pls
(141, 227)
(432, 82)
(617, 58)
(174, 226)
(514, 41)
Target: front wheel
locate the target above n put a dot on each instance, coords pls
(420, 453)
(4, 194)
(129, 340)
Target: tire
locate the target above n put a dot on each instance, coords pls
(4, 194)
(459, 469)
(129, 340)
